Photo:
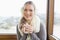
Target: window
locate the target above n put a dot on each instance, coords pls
(10, 12)
(56, 30)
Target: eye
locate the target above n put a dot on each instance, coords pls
(25, 9)
(31, 10)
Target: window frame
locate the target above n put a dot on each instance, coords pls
(50, 20)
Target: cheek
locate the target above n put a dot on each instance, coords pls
(24, 14)
(32, 14)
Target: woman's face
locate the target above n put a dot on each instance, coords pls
(28, 11)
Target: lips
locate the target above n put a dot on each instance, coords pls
(28, 16)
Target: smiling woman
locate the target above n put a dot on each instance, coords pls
(30, 26)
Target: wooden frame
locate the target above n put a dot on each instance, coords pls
(51, 16)
(50, 19)
(8, 37)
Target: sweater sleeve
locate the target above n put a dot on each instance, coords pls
(19, 36)
(42, 34)
(34, 37)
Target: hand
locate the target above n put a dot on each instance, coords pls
(23, 28)
(28, 28)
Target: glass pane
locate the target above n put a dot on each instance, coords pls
(56, 30)
(10, 12)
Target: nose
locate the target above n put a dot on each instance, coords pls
(28, 13)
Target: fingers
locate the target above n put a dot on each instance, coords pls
(27, 29)
(31, 30)
(23, 29)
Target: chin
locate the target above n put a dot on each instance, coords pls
(28, 19)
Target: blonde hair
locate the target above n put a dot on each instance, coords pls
(30, 3)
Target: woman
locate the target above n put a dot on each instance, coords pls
(29, 27)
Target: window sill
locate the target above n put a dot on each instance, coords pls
(54, 37)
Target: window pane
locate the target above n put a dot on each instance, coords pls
(10, 12)
(56, 30)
